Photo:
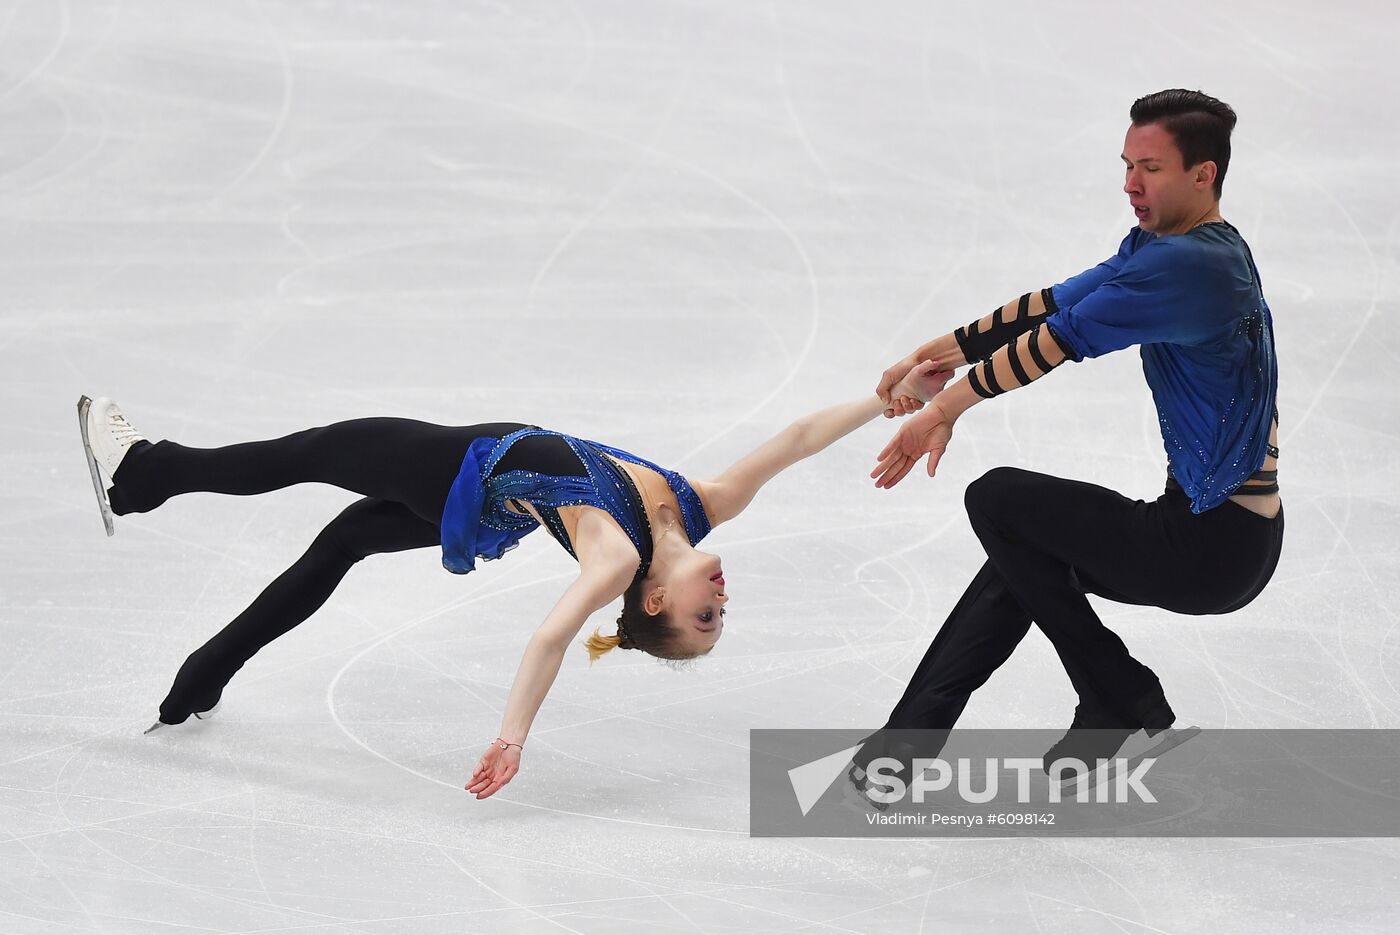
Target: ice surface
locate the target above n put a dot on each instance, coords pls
(671, 226)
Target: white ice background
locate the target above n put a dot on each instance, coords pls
(673, 226)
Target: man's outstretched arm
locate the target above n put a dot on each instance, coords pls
(976, 341)
(983, 338)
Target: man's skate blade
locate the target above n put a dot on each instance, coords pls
(1166, 740)
(853, 796)
(158, 725)
(84, 405)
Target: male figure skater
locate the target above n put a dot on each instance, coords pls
(1184, 288)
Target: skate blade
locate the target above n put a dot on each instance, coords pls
(103, 504)
(1168, 739)
(853, 797)
(199, 715)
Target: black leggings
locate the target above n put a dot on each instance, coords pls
(402, 468)
(1048, 542)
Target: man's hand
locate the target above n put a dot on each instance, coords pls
(495, 768)
(927, 433)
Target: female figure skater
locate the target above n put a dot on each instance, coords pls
(474, 491)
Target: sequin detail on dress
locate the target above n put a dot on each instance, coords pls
(477, 524)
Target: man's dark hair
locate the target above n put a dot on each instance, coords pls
(1199, 123)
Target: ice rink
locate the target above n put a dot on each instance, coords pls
(674, 227)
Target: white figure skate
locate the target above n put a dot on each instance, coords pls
(107, 437)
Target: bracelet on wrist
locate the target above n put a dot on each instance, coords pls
(506, 745)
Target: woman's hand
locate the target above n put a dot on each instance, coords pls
(923, 382)
(891, 377)
(927, 433)
(495, 768)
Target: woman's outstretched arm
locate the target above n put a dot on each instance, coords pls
(596, 587)
(728, 494)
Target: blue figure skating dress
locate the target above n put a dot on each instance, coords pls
(476, 522)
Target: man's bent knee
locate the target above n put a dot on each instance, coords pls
(988, 491)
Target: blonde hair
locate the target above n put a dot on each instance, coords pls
(637, 629)
(598, 644)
